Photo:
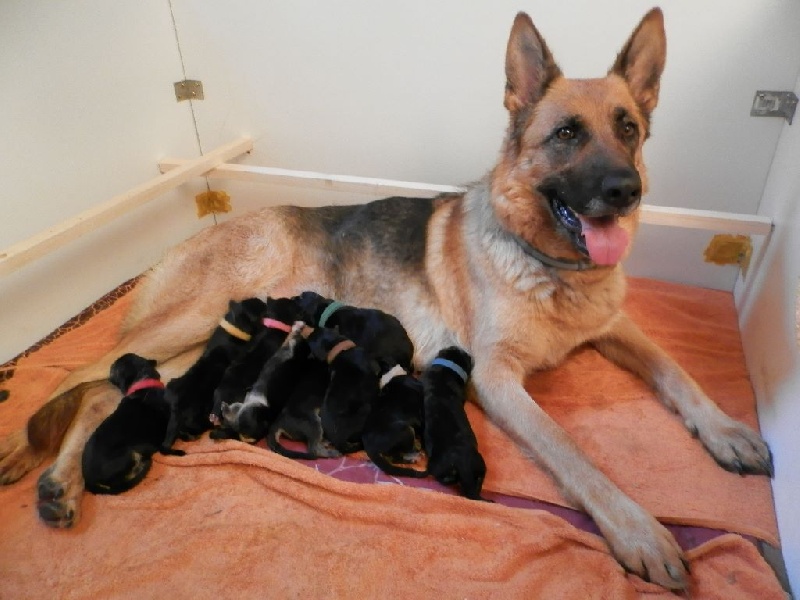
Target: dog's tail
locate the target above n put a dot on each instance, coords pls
(274, 444)
(48, 425)
(391, 469)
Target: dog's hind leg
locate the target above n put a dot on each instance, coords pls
(60, 486)
(26, 449)
(638, 541)
(160, 336)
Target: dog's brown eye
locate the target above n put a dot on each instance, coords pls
(629, 129)
(565, 133)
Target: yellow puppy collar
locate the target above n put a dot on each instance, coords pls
(235, 331)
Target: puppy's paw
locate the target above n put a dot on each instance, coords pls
(644, 547)
(17, 457)
(58, 499)
(735, 446)
(324, 449)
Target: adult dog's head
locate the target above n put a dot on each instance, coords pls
(571, 176)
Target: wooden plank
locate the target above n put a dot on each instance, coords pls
(655, 215)
(54, 237)
(311, 179)
(710, 220)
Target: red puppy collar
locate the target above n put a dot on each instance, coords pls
(144, 384)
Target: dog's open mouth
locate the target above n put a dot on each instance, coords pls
(602, 239)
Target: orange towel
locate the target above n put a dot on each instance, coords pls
(231, 520)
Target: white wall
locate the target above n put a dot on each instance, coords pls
(87, 108)
(771, 338)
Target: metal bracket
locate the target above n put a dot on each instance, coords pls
(774, 104)
(188, 89)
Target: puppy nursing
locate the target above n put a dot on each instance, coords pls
(451, 445)
(323, 388)
(191, 396)
(393, 429)
(118, 454)
(352, 388)
(268, 395)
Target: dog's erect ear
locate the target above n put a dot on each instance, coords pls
(642, 59)
(530, 67)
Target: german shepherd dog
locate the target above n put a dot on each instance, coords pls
(250, 419)
(300, 420)
(519, 270)
(118, 455)
(191, 396)
(450, 442)
(393, 429)
(353, 387)
(381, 335)
(279, 314)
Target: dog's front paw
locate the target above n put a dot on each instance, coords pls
(644, 547)
(58, 499)
(17, 457)
(736, 447)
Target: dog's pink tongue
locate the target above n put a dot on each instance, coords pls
(606, 241)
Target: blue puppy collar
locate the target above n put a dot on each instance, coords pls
(449, 364)
(329, 310)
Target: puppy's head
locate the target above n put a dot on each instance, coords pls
(458, 356)
(313, 304)
(322, 340)
(571, 174)
(285, 310)
(130, 368)
(246, 314)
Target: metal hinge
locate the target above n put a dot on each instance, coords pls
(774, 104)
(188, 89)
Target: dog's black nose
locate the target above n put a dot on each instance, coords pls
(622, 189)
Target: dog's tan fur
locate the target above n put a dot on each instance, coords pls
(474, 286)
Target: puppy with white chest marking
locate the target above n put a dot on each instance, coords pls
(352, 389)
(393, 428)
(278, 316)
(450, 443)
(279, 376)
(118, 454)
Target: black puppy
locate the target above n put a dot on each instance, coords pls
(191, 396)
(250, 419)
(393, 428)
(450, 443)
(299, 419)
(119, 453)
(379, 333)
(352, 388)
(278, 316)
